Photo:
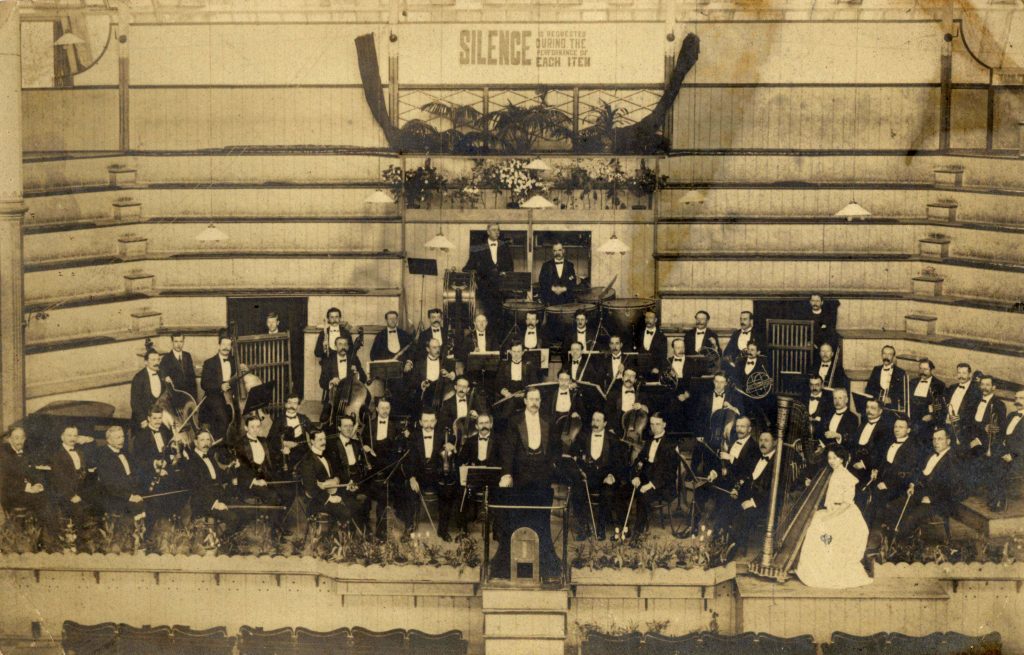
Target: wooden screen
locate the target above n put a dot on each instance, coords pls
(268, 356)
(791, 352)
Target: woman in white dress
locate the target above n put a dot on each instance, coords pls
(834, 546)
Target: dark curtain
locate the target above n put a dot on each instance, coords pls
(369, 71)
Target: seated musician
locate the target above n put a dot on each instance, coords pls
(738, 458)
(561, 400)
(721, 397)
(926, 399)
(515, 374)
(289, 432)
(326, 342)
(700, 340)
(614, 362)
(389, 446)
(934, 491)
(819, 405)
(829, 368)
(1006, 450)
(581, 367)
(256, 468)
(736, 349)
(432, 467)
(982, 430)
(146, 387)
(961, 400)
(532, 332)
(480, 449)
(69, 466)
(319, 475)
(752, 374)
(478, 339)
(602, 460)
(654, 472)
(865, 444)
(435, 330)
(353, 470)
(750, 499)
(623, 396)
(887, 381)
(464, 403)
(21, 485)
(209, 485)
(649, 339)
(117, 483)
(158, 465)
(219, 384)
(336, 369)
(900, 460)
(579, 333)
(391, 340)
(426, 370)
(841, 425)
(557, 279)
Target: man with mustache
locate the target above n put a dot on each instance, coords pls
(220, 384)
(925, 398)
(557, 279)
(289, 433)
(603, 461)
(887, 382)
(1006, 450)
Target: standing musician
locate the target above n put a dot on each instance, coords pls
(613, 363)
(256, 467)
(388, 443)
(220, 382)
(982, 429)
(603, 461)
(118, 485)
(515, 374)
(321, 480)
(701, 340)
(340, 365)
(352, 472)
(738, 340)
(653, 472)
(435, 330)
(289, 433)
(490, 261)
(819, 405)
(934, 491)
(841, 425)
(926, 399)
(432, 467)
(480, 449)
(676, 376)
(147, 385)
(391, 340)
(887, 382)
(830, 369)
(824, 329)
(557, 279)
(649, 339)
(900, 460)
(1006, 450)
(177, 368)
(69, 466)
(961, 400)
(326, 341)
(210, 496)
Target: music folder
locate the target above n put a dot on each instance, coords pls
(479, 476)
(386, 369)
(483, 361)
(539, 356)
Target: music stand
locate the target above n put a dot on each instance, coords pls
(480, 476)
(423, 268)
(515, 283)
(536, 357)
(386, 369)
(481, 362)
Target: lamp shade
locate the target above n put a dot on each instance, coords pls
(379, 197)
(692, 197)
(537, 201)
(440, 242)
(538, 165)
(69, 39)
(212, 234)
(613, 246)
(853, 210)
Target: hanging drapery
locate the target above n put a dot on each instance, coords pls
(369, 71)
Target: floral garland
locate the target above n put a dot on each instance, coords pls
(510, 175)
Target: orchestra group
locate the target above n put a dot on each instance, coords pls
(625, 419)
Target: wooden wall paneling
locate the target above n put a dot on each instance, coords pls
(83, 119)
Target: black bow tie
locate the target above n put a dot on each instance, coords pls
(983, 400)
(700, 332)
(203, 456)
(392, 331)
(744, 331)
(677, 359)
(899, 441)
(224, 359)
(563, 393)
(751, 361)
(719, 395)
(766, 458)
(657, 439)
(873, 422)
(817, 397)
(483, 439)
(70, 450)
(840, 412)
(480, 334)
(962, 386)
(598, 435)
(650, 330)
(887, 369)
(251, 440)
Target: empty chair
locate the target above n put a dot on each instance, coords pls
(256, 641)
(368, 642)
(211, 641)
(99, 639)
(446, 643)
(311, 642)
(155, 640)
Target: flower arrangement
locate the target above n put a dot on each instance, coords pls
(704, 551)
(509, 175)
(645, 181)
(464, 192)
(418, 185)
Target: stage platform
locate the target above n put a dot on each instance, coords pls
(974, 513)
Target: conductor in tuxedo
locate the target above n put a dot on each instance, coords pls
(557, 280)
(220, 388)
(489, 261)
(178, 367)
(147, 385)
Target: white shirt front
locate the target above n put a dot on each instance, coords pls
(533, 430)
(885, 377)
(717, 402)
(433, 369)
(461, 407)
(124, 462)
(616, 365)
(393, 346)
(866, 432)
(516, 371)
(736, 448)
(698, 340)
(258, 453)
(333, 332)
(342, 367)
(76, 459)
(648, 338)
(481, 341)
(890, 455)
(158, 439)
(677, 366)
(481, 449)
(209, 466)
(154, 383)
(833, 424)
(742, 339)
(492, 246)
(435, 333)
(812, 405)
(748, 366)
(596, 445)
(933, 462)
(958, 398)
(559, 267)
(921, 390)
(350, 453)
(581, 338)
(979, 413)
(1012, 425)
(628, 399)
(428, 444)
(652, 450)
(530, 338)
(323, 462)
(574, 369)
(759, 468)
(823, 371)
(563, 402)
(225, 369)
(382, 429)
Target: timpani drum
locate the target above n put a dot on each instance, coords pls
(516, 310)
(624, 315)
(593, 295)
(560, 317)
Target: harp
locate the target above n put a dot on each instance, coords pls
(790, 512)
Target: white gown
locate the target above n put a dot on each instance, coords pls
(832, 551)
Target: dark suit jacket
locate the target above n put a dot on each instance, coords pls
(944, 487)
(418, 374)
(309, 472)
(740, 376)
(662, 472)
(424, 338)
(15, 473)
(530, 375)
(904, 467)
(1012, 443)
(182, 374)
(205, 490)
(142, 398)
(487, 272)
(248, 470)
(280, 432)
(995, 412)
(732, 350)
(847, 427)
(389, 449)
(608, 371)
(733, 473)
(468, 343)
(710, 338)
(448, 413)
(870, 454)
(321, 350)
(528, 468)
(211, 379)
(824, 410)
(613, 460)
(144, 452)
(549, 278)
(613, 405)
(760, 490)
(705, 402)
(329, 370)
(427, 468)
(919, 406)
(65, 481)
(379, 349)
(115, 486)
(469, 454)
(658, 349)
(895, 394)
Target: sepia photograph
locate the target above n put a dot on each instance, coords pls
(511, 327)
